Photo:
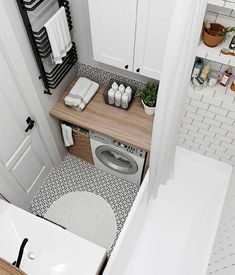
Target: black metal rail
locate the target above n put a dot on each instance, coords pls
(41, 46)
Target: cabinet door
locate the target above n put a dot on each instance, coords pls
(113, 31)
(153, 20)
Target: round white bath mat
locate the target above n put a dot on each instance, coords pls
(86, 215)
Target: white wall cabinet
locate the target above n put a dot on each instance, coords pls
(153, 20)
(131, 34)
(113, 31)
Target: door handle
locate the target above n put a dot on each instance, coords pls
(30, 123)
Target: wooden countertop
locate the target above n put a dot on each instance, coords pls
(7, 268)
(133, 127)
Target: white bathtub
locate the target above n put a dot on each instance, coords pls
(175, 234)
(156, 239)
(57, 252)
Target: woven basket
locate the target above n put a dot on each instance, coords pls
(82, 146)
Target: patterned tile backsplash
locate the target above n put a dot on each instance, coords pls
(103, 77)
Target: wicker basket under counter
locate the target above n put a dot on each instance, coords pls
(82, 145)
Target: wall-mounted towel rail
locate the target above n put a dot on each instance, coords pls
(41, 45)
(57, 74)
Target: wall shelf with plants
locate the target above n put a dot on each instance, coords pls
(223, 3)
(215, 54)
(217, 44)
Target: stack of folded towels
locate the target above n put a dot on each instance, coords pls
(81, 93)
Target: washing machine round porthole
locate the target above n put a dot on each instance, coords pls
(116, 160)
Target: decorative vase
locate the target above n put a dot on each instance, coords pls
(210, 36)
(148, 110)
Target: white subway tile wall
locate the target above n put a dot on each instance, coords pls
(208, 126)
(223, 15)
(223, 3)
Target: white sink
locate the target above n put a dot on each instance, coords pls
(57, 251)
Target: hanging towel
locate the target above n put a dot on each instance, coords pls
(67, 135)
(79, 90)
(58, 33)
(86, 99)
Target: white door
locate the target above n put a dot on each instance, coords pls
(24, 162)
(113, 31)
(153, 19)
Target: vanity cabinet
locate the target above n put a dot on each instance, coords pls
(131, 34)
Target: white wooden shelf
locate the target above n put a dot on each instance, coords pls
(223, 3)
(218, 93)
(214, 54)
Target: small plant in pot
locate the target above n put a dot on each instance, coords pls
(214, 34)
(148, 96)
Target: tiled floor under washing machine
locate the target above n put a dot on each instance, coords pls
(76, 175)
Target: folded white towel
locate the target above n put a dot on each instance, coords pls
(59, 36)
(67, 135)
(79, 90)
(86, 99)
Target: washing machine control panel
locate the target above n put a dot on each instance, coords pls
(129, 149)
(106, 140)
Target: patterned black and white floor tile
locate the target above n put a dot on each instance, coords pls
(76, 175)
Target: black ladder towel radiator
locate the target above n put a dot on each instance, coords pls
(41, 46)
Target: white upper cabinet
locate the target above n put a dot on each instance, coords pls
(113, 31)
(153, 19)
(131, 34)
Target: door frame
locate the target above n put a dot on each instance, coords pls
(11, 194)
(21, 73)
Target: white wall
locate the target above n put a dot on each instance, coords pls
(47, 101)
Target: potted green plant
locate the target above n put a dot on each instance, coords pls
(148, 96)
(214, 33)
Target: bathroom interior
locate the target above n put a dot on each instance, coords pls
(118, 137)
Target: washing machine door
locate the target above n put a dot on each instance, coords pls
(119, 161)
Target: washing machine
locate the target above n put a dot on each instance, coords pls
(117, 158)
